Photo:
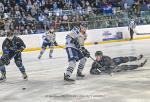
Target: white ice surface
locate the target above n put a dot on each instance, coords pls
(46, 83)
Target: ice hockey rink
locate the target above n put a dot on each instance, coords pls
(46, 83)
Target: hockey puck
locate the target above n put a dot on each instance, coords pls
(95, 43)
(24, 88)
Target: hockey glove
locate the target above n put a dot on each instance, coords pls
(19, 50)
(85, 52)
(55, 43)
(95, 71)
(5, 59)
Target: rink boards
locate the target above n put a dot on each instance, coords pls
(95, 36)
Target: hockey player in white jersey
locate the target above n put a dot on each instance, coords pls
(48, 40)
(76, 51)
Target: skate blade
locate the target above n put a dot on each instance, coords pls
(25, 79)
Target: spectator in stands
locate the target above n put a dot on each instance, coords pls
(88, 7)
(7, 25)
(28, 30)
(46, 23)
(30, 19)
(144, 7)
(22, 30)
(41, 18)
(62, 29)
(17, 31)
(25, 12)
(136, 7)
(127, 3)
(2, 33)
(1, 7)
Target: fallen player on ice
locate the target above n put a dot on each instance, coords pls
(105, 64)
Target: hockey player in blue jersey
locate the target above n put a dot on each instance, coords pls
(76, 51)
(12, 48)
(48, 40)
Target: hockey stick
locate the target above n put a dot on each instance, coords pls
(60, 46)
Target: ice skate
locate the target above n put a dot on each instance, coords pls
(79, 74)
(3, 77)
(140, 57)
(67, 78)
(143, 63)
(50, 57)
(39, 57)
(24, 75)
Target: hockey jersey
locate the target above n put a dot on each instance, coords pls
(75, 34)
(49, 37)
(16, 44)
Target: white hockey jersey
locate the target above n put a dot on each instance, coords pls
(75, 34)
(49, 37)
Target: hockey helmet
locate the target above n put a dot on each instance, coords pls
(10, 35)
(99, 53)
(52, 28)
(83, 28)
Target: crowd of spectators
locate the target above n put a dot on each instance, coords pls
(35, 16)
